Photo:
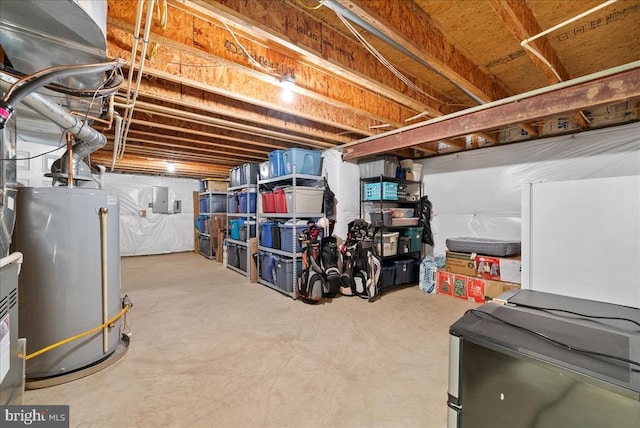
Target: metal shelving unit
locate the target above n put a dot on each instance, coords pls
(294, 180)
(382, 203)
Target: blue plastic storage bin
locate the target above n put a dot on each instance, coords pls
(403, 271)
(267, 265)
(305, 161)
(266, 233)
(232, 203)
(202, 224)
(235, 224)
(276, 163)
(204, 205)
(242, 202)
(388, 277)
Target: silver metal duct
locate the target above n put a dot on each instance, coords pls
(88, 139)
(8, 186)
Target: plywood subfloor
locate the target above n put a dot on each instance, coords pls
(210, 349)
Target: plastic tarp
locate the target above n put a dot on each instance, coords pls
(154, 233)
(344, 180)
(479, 193)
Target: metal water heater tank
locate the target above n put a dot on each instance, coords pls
(58, 229)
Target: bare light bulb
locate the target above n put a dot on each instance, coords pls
(171, 167)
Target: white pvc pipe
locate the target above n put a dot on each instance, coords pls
(568, 21)
(116, 137)
(143, 55)
(105, 283)
(525, 43)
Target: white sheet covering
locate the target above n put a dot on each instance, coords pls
(155, 233)
(478, 193)
(344, 180)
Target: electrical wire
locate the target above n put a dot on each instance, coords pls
(78, 336)
(578, 313)
(385, 62)
(486, 315)
(252, 60)
(318, 6)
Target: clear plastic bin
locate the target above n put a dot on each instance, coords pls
(390, 241)
(308, 199)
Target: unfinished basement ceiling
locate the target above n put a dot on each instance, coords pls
(210, 92)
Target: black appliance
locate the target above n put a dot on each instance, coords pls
(543, 360)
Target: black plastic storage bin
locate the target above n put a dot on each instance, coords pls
(283, 272)
(403, 271)
(388, 277)
(250, 172)
(242, 257)
(252, 231)
(232, 255)
(415, 271)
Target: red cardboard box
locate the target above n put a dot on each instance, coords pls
(499, 268)
(445, 282)
(471, 288)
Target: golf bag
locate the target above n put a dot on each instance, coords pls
(310, 284)
(361, 268)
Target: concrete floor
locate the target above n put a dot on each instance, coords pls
(209, 349)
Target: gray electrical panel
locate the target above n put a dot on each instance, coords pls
(160, 200)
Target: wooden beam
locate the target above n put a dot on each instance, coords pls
(410, 27)
(311, 42)
(235, 150)
(227, 71)
(560, 99)
(229, 125)
(203, 153)
(521, 22)
(145, 165)
(187, 98)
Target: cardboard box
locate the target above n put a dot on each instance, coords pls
(462, 263)
(499, 268)
(471, 288)
(215, 185)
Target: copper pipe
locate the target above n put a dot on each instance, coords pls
(70, 159)
(97, 119)
(105, 291)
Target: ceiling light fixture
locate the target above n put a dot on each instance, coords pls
(287, 82)
(171, 167)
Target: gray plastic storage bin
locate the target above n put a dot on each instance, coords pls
(374, 167)
(250, 173)
(381, 218)
(283, 272)
(232, 255)
(218, 204)
(242, 257)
